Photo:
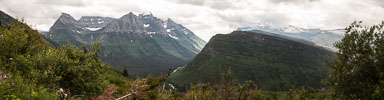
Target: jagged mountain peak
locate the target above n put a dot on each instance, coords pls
(145, 42)
(144, 14)
(129, 15)
(145, 24)
(130, 18)
(66, 21)
(126, 24)
(66, 18)
(66, 15)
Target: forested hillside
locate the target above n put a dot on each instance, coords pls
(272, 62)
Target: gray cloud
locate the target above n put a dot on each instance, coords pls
(293, 1)
(207, 17)
(219, 4)
(191, 2)
(376, 2)
(215, 4)
(77, 3)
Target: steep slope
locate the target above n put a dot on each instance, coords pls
(5, 19)
(273, 63)
(324, 38)
(143, 44)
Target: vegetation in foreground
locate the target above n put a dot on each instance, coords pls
(37, 71)
(358, 72)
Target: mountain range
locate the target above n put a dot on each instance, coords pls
(272, 61)
(144, 44)
(325, 38)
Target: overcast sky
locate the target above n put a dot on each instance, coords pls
(207, 17)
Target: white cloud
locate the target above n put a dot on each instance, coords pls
(207, 17)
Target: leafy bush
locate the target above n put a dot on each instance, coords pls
(37, 67)
(358, 72)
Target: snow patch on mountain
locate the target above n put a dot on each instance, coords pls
(75, 31)
(147, 25)
(93, 29)
(169, 30)
(174, 37)
(151, 33)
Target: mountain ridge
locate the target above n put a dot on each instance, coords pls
(5, 19)
(142, 43)
(273, 63)
(325, 38)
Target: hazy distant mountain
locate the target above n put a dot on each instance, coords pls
(323, 37)
(272, 62)
(143, 44)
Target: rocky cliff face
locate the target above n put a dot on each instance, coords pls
(145, 44)
(94, 22)
(129, 23)
(66, 21)
(153, 24)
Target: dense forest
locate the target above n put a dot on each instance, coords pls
(32, 69)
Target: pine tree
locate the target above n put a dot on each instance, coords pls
(125, 73)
